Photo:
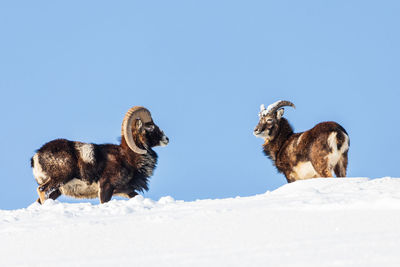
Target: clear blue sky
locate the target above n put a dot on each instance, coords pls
(71, 69)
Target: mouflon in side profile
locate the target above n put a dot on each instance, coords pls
(84, 170)
(314, 153)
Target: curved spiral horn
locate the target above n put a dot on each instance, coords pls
(133, 113)
(277, 105)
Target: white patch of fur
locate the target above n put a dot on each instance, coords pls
(86, 151)
(80, 189)
(304, 170)
(164, 141)
(38, 172)
(280, 113)
(261, 135)
(335, 155)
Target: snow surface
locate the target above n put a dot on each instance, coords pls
(318, 222)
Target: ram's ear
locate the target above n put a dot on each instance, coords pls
(279, 113)
(138, 124)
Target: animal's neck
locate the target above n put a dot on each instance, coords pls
(142, 166)
(272, 147)
(147, 162)
(137, 141)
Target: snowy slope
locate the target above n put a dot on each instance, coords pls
(319, 222)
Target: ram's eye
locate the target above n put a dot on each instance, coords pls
(269, 121)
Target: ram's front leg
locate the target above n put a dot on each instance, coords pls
(106, 191)
(132, 194)
(128, 191)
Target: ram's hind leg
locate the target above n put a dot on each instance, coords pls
(325, 172)
(50, 189)
(320, 159)
(339, 170)
(42, 196)
(53, 195)
(322, 167)
(341, 166)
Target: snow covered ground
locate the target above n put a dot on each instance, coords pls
(319, 222)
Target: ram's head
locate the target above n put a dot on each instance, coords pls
(268, 125)
(140, 131)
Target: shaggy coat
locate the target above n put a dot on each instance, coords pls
(314, 153)
(84, 170)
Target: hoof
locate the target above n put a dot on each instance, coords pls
(42, 196)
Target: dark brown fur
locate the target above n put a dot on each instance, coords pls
(114, 168)
(283, 147)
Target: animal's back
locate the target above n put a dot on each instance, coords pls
(316, 152)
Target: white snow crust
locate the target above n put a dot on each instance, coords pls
(317, 222)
